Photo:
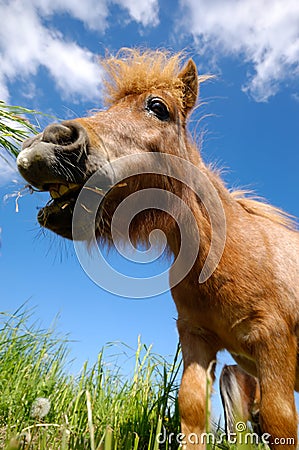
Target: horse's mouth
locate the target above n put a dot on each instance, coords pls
(60, 160)
(57, 214)
(61, 190)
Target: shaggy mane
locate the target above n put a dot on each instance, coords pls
(135, 71)
(260, 208)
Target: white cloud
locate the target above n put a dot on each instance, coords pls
(4, 93)
(144, 11)
(27, 42)
(93, 13)
(264, 33)
(74, 69)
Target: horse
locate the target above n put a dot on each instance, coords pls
(240, 291)
(240, 396)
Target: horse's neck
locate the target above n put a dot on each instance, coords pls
(210, 205)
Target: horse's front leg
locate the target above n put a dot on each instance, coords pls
(276, 366)
(198, 357)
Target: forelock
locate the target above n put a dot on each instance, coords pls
(135, 71)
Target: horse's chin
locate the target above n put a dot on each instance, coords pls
(57, 215)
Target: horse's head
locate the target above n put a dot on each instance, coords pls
(149, 98)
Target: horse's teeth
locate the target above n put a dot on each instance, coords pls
(54, 194)
(63, 189)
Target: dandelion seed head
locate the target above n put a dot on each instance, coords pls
(40, 407)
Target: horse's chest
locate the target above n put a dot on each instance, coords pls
(210, 319)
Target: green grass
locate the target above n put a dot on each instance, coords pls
(101, 409)
(14, 127)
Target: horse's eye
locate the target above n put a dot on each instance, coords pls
(158, 107)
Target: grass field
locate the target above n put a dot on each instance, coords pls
(42, 407)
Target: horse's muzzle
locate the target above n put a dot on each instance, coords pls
(51, 156)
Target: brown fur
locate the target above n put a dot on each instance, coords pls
(263, 209)
(250, 303)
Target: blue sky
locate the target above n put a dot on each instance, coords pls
(249, 119)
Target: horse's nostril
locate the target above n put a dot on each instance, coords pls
(62, 134)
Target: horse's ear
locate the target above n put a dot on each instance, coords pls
(189, 77)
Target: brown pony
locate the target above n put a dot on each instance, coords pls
(248, 301)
